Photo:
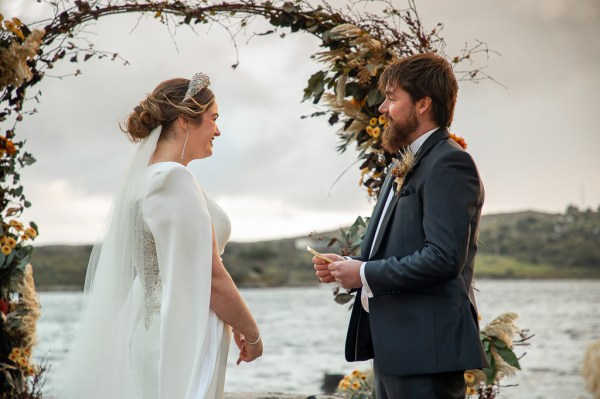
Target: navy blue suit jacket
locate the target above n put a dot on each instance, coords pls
(423, 317)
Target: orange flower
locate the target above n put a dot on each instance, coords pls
(12, 357)
(10, 148)
(356, 385)
(355, 373)
(471, 391)
(373, 121)
(27, 352)
(382, 119)
(376, 132)
(6, 250)
(459, 140)
(469, 378)
(16, 351)
(370, 130)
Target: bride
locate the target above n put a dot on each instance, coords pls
(158, 302)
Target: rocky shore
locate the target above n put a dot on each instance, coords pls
(274, 395)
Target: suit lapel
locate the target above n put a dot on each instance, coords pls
(431, 141)
(370, 233)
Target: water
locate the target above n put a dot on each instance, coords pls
(304, 332)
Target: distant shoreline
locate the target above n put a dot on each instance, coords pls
(74, 288)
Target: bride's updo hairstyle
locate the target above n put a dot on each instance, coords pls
(164, 105)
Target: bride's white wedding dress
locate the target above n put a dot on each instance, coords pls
(152, 334)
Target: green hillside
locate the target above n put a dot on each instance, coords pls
(512, 245)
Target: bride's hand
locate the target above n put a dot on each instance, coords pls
(250, 352)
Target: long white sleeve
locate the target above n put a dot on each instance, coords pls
(176, 213)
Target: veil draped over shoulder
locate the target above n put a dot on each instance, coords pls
(127, 346)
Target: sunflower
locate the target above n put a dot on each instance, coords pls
(11, 242)
(21, 361)
(344, 385)
(6, 250)
(30, 231)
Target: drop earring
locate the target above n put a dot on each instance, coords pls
(185, 142)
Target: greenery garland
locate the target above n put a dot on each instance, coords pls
(355, 48)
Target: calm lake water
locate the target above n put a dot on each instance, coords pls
(304, 332)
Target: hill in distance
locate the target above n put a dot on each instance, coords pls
(525, 244)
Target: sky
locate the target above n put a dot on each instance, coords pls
(534, 138)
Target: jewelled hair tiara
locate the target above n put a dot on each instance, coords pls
(198, 82)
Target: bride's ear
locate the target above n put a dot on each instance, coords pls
(183, 122)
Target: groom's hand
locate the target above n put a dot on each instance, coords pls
(322, 267)
(346, 273)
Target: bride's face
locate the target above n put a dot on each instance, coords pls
(201, 136)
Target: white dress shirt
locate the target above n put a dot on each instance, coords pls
(366, 291)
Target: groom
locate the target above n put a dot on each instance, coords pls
(415, 311)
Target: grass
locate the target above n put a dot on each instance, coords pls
(492, 266)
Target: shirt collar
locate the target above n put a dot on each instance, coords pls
(416, 145)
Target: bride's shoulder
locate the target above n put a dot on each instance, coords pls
(170, 176)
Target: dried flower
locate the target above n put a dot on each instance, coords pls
(591, 368)
(402, 167)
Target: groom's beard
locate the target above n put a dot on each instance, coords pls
(397, 133)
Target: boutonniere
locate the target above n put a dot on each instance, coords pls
(402, 167)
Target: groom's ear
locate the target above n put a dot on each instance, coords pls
(424, 104)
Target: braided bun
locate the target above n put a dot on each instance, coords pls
(163, 106)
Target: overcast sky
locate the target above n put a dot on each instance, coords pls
(535, 142)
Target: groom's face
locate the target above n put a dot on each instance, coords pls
(401, 114)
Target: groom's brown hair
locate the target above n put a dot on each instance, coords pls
(425, 75)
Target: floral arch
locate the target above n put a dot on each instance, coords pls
(355, 47)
